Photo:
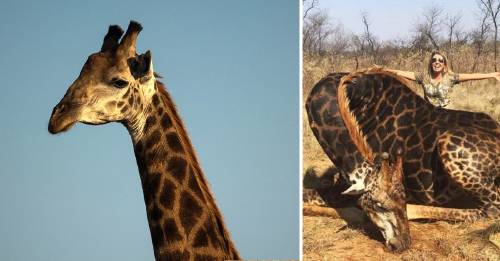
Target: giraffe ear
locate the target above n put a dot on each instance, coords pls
(141, 66)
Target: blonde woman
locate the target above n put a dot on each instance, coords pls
(438, 81)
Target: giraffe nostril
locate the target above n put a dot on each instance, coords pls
(394, 245)
(61, 108)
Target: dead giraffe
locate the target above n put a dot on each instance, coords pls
(117, 85)
(445, 152)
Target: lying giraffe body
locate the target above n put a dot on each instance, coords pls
(446, 152)
(331, 133)
(117, 85)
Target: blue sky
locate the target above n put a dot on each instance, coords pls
(390, 19)
(233, 69)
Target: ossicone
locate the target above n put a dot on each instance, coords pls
(110, 42)
(127, 47)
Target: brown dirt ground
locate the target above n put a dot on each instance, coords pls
(332, 239)
(325, 238)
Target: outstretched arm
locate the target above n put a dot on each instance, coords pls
(462, 77)
(405, 74)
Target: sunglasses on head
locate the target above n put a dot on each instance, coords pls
(440, 60)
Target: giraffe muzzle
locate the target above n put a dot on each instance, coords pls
(399, 244)
(62, 118)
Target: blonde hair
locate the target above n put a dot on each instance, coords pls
(447, 64)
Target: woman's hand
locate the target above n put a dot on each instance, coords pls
(496, 75)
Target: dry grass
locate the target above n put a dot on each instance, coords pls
(483, 96)
(332, 239)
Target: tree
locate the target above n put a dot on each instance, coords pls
(372, 45)
(479, 37)
(317, 29)
(429, 28)
(308, 5)
(452, 23)
(492, 8)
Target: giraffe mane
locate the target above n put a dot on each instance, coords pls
(193, 158)
(350, 120)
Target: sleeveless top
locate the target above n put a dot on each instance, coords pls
(437, 92)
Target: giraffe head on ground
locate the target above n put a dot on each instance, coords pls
(384, 201)
(113, 84)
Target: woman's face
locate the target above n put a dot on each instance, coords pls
(437, 63)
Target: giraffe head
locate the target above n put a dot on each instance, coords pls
(384, 202)
(112, 84)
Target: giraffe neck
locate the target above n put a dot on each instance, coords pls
(184, 220)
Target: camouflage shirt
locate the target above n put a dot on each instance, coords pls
(437, 92)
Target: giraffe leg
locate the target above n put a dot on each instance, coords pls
(473, 166)
(315, 205)
(312, 197)
(352, 215)
(322, 196)
(415, 212)
(326, 189)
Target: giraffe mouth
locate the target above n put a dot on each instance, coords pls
(61, 125)
(62, 119)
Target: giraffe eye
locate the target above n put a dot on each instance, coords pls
(119, 83)
(379, 207)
